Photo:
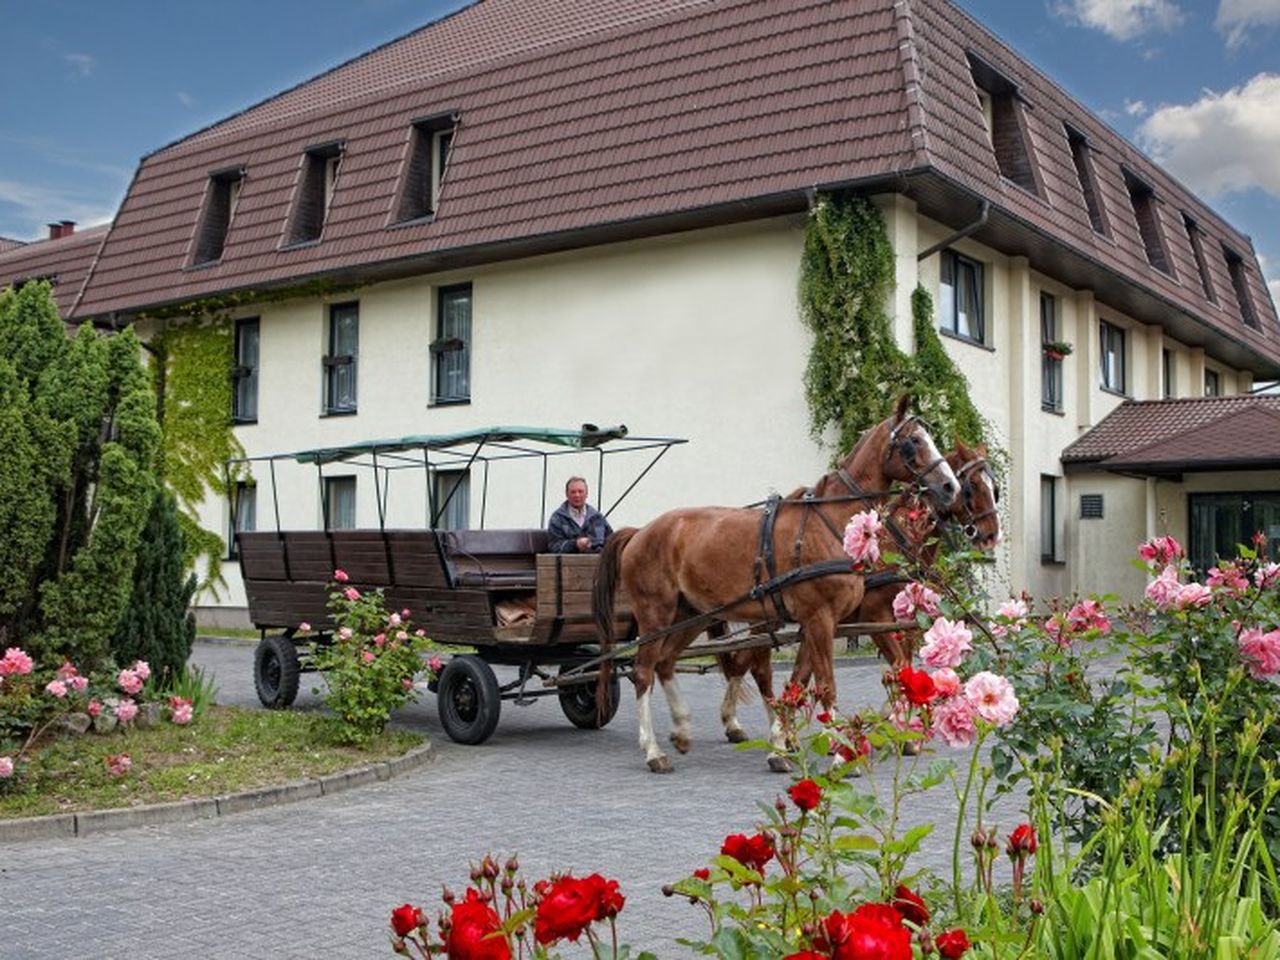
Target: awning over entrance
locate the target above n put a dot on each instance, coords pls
(1167, 438)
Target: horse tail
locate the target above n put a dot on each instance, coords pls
(604, 591)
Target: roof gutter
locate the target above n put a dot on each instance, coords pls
(983, 213)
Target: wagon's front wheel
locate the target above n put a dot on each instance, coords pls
(275, 671)
(578, 701)
(468, 700)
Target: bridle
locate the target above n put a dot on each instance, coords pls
(895, 445)
(971, 519)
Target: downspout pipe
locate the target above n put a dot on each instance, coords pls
(960, 234)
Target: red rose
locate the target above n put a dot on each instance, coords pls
(1022, 842)
(475, 932)
(917, 686)
(571, 904)
(806, 955)
(404, 920)
(874, 930)
(805, 794)
(702, 873)
(911, 905)
(753, 852)
(952, 944)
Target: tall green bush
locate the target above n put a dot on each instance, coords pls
(79, 426)
(157, 625)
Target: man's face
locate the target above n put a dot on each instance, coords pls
(577, 494)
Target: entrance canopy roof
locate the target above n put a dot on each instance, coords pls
(1166, 438)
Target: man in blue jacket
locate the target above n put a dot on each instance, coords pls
(577, 526)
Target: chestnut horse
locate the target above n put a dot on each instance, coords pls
(692, 566)
(975, 510)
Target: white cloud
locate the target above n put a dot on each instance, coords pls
(38, 206)
(1224, 142)
(1236, 18)
(1135, 108)
(184, 98)
(82, 64)
(1122, 19)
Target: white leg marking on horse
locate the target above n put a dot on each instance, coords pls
(777, 740)
(648, 742)
(681, 718)
(729, 706)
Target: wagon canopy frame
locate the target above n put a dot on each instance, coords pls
(459, 452)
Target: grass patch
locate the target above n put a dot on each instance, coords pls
(226, 750)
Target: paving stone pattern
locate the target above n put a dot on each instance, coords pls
(318, 878)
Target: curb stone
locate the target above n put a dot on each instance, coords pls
(60, 826)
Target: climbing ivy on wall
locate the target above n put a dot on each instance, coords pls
(856, 370)
(192, 372)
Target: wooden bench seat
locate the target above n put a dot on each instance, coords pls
(494, 559)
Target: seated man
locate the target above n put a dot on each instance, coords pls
(576, 526)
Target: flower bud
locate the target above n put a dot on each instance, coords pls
(489, 867)
(397, 945)
(507, 885)
(780, 805)
(447, 895)
(476, 873)
(978, 840)
(925, 939)
(1036, 907)
(668, 890)
(512, 864)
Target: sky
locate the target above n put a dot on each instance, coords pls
(88, 87)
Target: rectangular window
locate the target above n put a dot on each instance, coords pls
(452, 504)
(1050, 363)
(451, 349)
(1003, 114)
(430, 141)
(243, 514)
(1169, 369)
(1202, 265)
(1111, 356)
(1048, 518)
(341, 361)
(1240, 282)
(244, 375)
(1147, 215)
(315, 192)
(339, 503)
(1220, 521)
(960, 300)
(1082, 157)
(1212, 384)
(221, 198)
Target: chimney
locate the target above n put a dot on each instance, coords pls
(63, 228)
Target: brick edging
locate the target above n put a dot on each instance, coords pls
(64, 825)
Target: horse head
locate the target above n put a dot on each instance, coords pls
(976, 507)
(911, 456)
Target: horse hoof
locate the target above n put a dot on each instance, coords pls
(736, 736)
(661, 765)
(779, 764)
(680, 742)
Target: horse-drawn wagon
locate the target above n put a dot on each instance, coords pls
(497, 591)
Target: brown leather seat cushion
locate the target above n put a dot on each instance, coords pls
(494, 558)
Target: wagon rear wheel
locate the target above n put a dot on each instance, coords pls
(275, 671)
(468, 700)
(578, 701)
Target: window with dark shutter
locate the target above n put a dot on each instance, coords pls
(1006, 124)
(1147, 215)
(1082, 157)
(430, 143)
(314, 195)
(220, 200)
(1240, 283)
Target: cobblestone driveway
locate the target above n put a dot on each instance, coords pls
(318, 878)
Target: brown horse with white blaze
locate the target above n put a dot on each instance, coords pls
(707, 564)
(975, 510)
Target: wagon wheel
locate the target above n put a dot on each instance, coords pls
(468, 700)
(578, 701)
(275, 671)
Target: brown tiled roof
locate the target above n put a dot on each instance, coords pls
(65, 260)
(1174, 435)
(7, 244)
(583, 121)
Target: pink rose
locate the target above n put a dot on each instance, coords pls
(945, 643)
(946, 682)
(79, 684)
(1012, 609)
(57, 688)
(129, 682)
(1261, 651)
(393, 620)
(419, 632)
(6, 767)
(380, 639)
(182, 714)
(351, 593)
(915, 597)
(67, 671)
(992, 697)
(1162, 551)
(1267, 576)
(407, 683)
(368, 656)
(1193, 595)
(1088, 615)
(345, 633)
(94, 708)
(304, 627)
(340, 576)
(954, 722)
(1228, 577)
(402, 635)
(435, 664)
(405, 613)
(142, 669)
(15, 663)
(1163, 590)
(126, 710)
(861, 538)
(118, 764)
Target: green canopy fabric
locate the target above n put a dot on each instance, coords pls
(586, 436)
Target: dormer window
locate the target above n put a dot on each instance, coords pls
(1002, 111)
(1202, 265)
(1147, 215)
(220, 201)
(314, 195)
(430, 142)
(1240, 282)
(1082, 157)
